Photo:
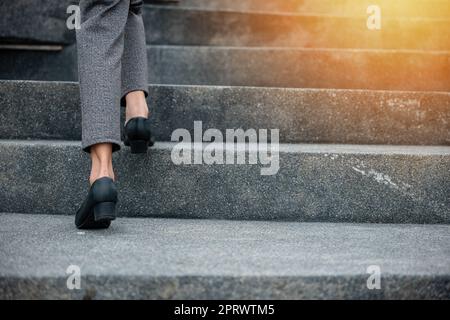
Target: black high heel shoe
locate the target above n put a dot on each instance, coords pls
(98, 209)
(137, 135)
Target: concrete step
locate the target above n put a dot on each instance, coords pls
(204, 259)
(389, 8)
(24, 22)
(51, 110)
(36, 64)
(172, 26)
(303, 68)
(325, 183)
(180, 26)
(300, 67)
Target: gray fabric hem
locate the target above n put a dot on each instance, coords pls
(86, 146)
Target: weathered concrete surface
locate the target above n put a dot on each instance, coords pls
(302, 68)
(51, 110)
(389, 8)
(192, 259)
(172, 26)
(26, 21)
(39, 64)
(326, 183)
(23, 22)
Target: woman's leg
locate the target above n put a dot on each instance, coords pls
(100, 42)
(134, 64)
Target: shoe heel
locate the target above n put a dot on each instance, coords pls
(139, 146)
(105, 211)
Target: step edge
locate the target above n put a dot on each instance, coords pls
(285, 148)
(250, 88)
(306, 14)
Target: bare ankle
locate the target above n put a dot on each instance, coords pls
(136, 105)
(101, 173)
(101, 161)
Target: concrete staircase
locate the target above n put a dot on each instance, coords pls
(364, 177)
